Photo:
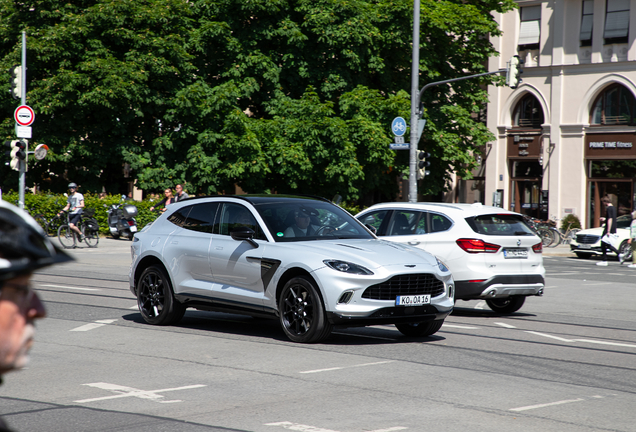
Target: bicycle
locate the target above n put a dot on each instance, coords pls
(566, 237)
(88, 226)
(541, 229)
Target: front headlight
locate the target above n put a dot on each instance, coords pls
(347, 267)
(441, 265)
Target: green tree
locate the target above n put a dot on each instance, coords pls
(271, 95)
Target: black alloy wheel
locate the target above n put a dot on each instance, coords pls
(506, 305)
(302, 314)
(155, 299)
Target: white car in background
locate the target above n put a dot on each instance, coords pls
(491, 252)
(587, 243)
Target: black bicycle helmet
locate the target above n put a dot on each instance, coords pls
(23, 245)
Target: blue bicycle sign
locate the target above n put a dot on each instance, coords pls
(398, 126)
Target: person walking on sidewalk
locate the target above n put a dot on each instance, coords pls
(632, 240)
(610, 228)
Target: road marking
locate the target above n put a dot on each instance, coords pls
(92, 326)
(599, 342)
(505, 325)
(531, 407)
(550, 336)
(123, 391)
(307, 428)
(366, 336)
(480, 305)
(69, 287)
(460, 326)
(345, 367)
(134, 307)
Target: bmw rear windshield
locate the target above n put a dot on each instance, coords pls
(499, 225)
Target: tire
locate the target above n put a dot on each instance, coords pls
(546, 237)
(66, 236)
(556, 238)
(115, 236)
(155, 298)
(53, 225)
(90, 237)
(625, 251)
(301, 311)
(583, 255)
(420, 329)
(506, 305)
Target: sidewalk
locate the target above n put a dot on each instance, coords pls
(560, 250)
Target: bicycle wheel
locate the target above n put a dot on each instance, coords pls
(571, 235)
(66, 236)
(546, 236)
(90, 237)
(53, 225)
(556, 237)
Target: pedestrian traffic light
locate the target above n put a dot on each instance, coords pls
(423, 164)
(16, 82)
(514, 71)
(18, 153)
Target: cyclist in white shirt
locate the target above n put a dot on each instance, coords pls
(74, 205)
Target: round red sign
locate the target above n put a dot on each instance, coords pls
(24, 115)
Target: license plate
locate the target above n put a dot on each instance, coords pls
(133, 228)
(584, 246)
(414, 300)
(516, 253)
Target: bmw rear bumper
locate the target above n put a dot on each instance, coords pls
(500, 286)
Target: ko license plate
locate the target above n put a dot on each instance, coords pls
(413, 300)
(516, 253)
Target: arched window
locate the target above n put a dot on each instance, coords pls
(528, 113)
(615, 106)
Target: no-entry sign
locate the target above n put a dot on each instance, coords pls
(24, 115)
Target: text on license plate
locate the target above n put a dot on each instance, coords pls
(515, 253)
(413, 300)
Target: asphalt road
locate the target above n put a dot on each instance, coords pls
(564, 362)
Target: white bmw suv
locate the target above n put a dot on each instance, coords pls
(492, 254)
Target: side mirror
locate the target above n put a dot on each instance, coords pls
(371, 228)
(244, 234)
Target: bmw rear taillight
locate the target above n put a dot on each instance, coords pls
(538, 248)
(477, 246)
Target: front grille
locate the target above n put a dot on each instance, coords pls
(414, 284)
(586, 239)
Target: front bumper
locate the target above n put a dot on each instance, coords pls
(391, 315)
(500, 286)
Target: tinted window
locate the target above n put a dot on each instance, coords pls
(302, 220)
(439, 223)
(499, 224)
(375, 219)
(623, 221)
(179, 217)
(407, 222)
(201, 217)
(233, 216)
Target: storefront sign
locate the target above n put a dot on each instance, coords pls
(610, 146)
(524, 146)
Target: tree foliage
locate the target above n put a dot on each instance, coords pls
(270, 95)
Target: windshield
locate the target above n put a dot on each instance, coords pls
(302, 220)
(499, 224)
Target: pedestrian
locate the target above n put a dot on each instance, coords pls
(75, 206)
(24, 248)
(167, 199)
(610, 228)
(181, 195)
(632, 239)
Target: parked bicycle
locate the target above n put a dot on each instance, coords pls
(89, 227)
(566, 238)
(540, 228)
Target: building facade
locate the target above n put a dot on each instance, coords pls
(566, 136)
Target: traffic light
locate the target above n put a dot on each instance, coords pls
(513, 74)
(18, 153)
(16, 82)
(423, 164)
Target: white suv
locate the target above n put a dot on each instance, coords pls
(491, 252)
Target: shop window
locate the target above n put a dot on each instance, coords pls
(615, 106)
(587, 22)
(528, 113)
(616, 21)
(530, 31)
(527, 169)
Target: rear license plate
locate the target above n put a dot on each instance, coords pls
(414, 300)
(516, 253)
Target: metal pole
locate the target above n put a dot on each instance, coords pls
(415, 92)
(22, 179)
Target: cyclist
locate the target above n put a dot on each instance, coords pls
(23, 249)
(74, 205)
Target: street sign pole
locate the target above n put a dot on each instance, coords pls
(22, 178)
(415, 92)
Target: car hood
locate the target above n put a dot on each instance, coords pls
(596, 231)
(370, 253)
